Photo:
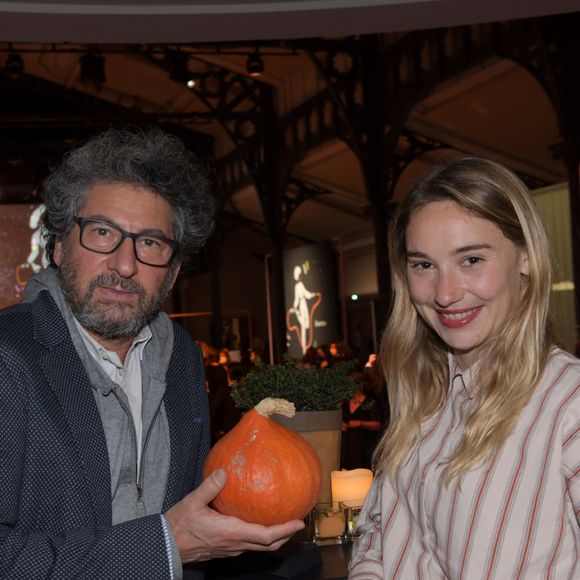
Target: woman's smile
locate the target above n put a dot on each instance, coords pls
(458, 318)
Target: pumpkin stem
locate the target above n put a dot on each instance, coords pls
(270, 406)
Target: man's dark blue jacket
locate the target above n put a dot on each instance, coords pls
(55, 490)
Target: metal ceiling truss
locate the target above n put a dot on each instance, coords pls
(309, 126)
(413, 67)
(410, 147)
(297, 192)
(417, 64)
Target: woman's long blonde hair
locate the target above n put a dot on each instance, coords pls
(414, 358)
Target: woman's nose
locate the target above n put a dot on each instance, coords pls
(448, 289)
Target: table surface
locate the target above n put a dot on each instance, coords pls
(334, 562)
(293, 561)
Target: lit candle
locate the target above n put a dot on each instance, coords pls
(350, 485)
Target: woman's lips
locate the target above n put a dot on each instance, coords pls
(457, 318)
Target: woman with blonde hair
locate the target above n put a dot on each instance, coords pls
(478, 473)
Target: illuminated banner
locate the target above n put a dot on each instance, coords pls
(21, 249)
(310, 285)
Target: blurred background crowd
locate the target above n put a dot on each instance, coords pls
(364, 415)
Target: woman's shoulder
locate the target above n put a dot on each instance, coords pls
(560, 358)
(561, 378)
(560, 392)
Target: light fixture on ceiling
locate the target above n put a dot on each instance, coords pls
(14, 64)
(93, 68)
(255, 64)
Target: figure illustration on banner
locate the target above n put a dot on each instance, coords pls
(37, 251)
(302, 309)
(37, 241)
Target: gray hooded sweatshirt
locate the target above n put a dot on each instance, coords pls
(131, 497)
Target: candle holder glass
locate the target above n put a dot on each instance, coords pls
(328, 524)
(352, 509)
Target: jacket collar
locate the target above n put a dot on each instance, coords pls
(68, 380)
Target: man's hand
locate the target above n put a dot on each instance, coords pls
(201, 533)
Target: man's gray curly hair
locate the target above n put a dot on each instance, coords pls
(148, 158)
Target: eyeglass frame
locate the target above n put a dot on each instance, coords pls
(81, 221)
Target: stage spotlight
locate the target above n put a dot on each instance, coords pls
(14, 64)
(255, 65)
(93, 69)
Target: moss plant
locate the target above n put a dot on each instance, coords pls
(310, 389)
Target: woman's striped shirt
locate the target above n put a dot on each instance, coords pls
(515, 517)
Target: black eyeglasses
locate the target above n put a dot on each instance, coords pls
(104, 238)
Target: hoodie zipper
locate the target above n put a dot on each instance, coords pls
(140, 476)
(139, 465)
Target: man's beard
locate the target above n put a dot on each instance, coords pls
(111, 319)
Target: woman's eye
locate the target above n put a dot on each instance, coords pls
(420, 265)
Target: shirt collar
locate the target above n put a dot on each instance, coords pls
(99, 352)
(464, 376)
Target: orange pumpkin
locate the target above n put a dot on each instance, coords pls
(274, 475)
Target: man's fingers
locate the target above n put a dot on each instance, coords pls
(265, 537)
(286, 529)
(210, 487)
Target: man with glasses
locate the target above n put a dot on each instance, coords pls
(103, 415)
